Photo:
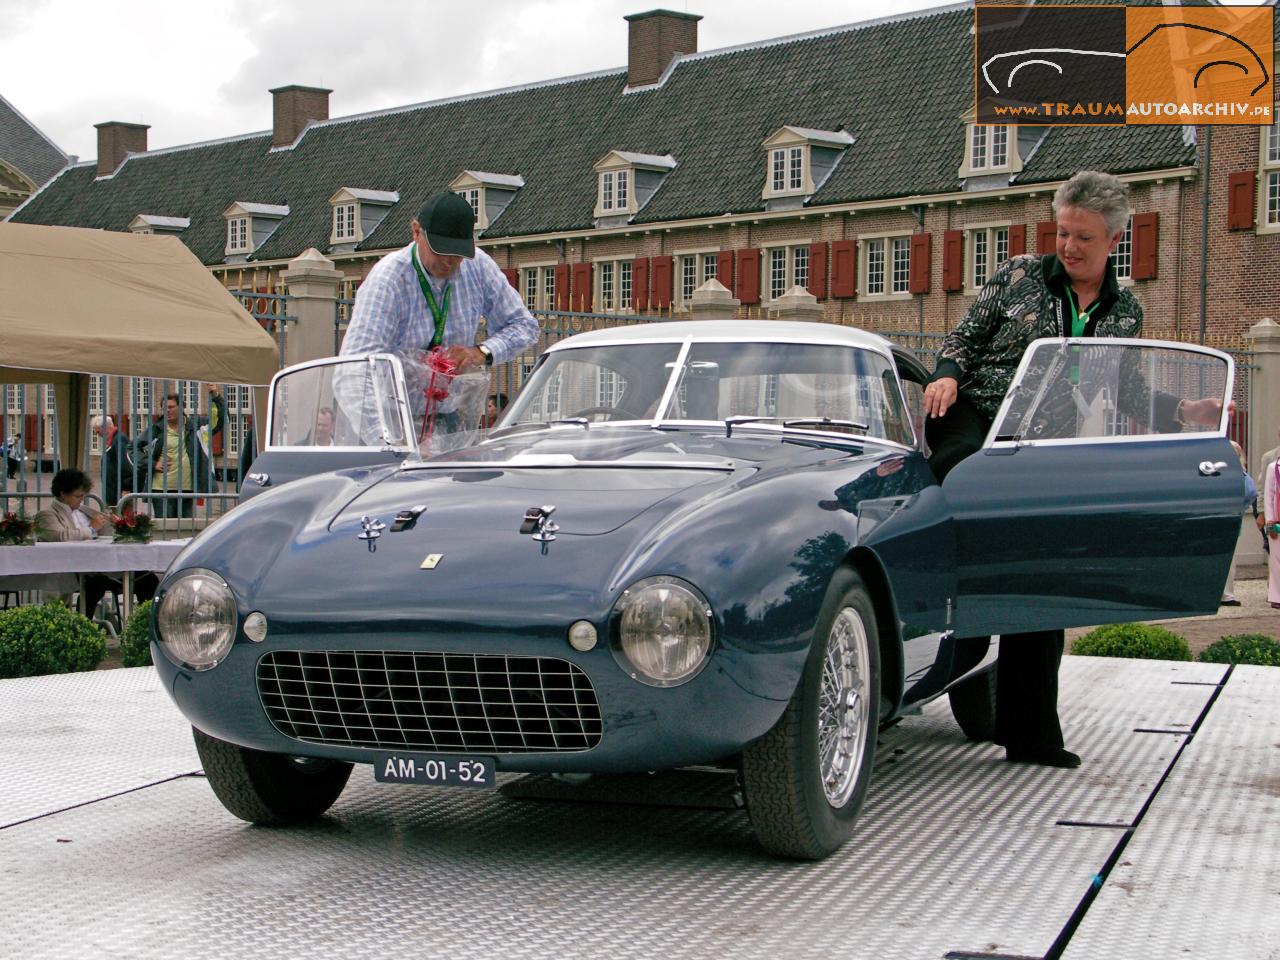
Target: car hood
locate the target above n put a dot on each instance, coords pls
(597, 479)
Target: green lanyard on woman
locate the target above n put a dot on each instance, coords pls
(1078, 320)
(440, 312)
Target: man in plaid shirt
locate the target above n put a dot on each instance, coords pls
(434, 293)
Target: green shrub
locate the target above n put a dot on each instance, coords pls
(1142, 641)
(135, 641)
(52, 638)
(1255, 648)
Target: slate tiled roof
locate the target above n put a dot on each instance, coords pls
(23, 145)
(898, 86)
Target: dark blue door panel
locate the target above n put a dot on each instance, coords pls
(1064, 535)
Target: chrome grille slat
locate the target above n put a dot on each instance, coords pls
(442, 702)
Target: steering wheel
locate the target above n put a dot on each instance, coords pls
(611, 413)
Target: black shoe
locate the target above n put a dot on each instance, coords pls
(1044, 756)
(1229, 602)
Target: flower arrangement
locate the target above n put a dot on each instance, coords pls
(132, 527)
(15, 528)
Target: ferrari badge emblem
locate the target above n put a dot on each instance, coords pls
(432, 561)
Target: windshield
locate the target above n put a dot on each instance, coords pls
(717, 380)
(340, 404)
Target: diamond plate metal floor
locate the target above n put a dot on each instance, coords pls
(110, 848)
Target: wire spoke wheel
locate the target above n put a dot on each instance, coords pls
(843, 723)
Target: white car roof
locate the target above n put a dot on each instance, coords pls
(769, 331)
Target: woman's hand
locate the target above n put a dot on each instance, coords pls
(940, 395)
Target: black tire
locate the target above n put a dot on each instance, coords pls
(271, 789)
(973, 704)
(796, 813)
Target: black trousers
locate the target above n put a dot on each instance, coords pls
(1027, 663)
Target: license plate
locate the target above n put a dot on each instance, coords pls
(433, 770)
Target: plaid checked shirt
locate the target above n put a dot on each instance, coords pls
(391, 313)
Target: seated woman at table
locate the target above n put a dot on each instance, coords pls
(66, 520)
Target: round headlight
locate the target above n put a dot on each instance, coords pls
(196, 621)
(664, 630)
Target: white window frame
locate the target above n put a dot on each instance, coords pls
(475, 197)
(346, 222)
(615, 191)
(618, 294)
(1268, 217)
(240, 234)
(886, 245)
(1122, 255)
(979, 160)
(782, 267)
(695, 260)
(986, 247)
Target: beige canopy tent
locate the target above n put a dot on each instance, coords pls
(79, 302)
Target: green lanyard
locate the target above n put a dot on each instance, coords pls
(439, 312)
(1078, 320)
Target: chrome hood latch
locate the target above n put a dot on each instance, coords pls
(537, 521)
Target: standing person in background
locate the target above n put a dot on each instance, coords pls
(1271, 516)
(178, 462)
(1251, 493)
(119, 473)
(1268, 459)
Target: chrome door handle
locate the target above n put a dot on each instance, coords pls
(1210, 469)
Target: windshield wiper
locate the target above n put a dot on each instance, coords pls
(825, 422)
(583, 421)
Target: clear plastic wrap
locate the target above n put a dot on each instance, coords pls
(448, 407)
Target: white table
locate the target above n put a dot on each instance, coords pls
(57, 566)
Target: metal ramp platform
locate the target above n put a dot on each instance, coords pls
(1164, 844)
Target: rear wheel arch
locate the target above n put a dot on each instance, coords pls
(867, 565)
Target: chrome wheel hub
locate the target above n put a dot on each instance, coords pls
(843, 723)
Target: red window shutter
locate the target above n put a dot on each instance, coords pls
(640, 283)
(921, 263)
(748, 276)
(513, 277)
(1017, 240)
(1240, 200)
(1146, 237)
(580, 299)
(953, 261)
(562, 286)
(1046, 237)
(818, 270)
(844, 268)
(31, 432)
(724, 268)
(660, 271)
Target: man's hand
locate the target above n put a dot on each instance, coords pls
(465, 357)
(940, 395)
(1206, 412)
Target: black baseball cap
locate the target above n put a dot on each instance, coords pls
(447, 220)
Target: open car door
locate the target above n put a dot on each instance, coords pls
(331, 414)
(1090, 501)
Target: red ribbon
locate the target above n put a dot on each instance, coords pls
(442, 367)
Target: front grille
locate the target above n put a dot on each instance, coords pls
(430, 701)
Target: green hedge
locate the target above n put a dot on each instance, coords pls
(1141, 641)
(52, 638)
(135, 641)
(1253, 648)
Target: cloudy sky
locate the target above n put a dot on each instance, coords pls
(201, 71)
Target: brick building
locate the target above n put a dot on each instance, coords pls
(843, 161)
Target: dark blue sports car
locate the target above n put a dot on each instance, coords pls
(703, 543)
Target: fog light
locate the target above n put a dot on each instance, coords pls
(582, 636)
(255, 626)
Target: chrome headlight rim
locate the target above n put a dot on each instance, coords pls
(189, 653)
(637, 592)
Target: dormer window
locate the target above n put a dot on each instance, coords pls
(249, 225)
(988, 147)
(488, 193)
(625, 182)
(150, 223)
(357, 213)
(800, 159)
(995, 148)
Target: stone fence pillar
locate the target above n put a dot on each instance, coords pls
(312, 282)
(713, 301)
(797, 304)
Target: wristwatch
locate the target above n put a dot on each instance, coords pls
(488, 354)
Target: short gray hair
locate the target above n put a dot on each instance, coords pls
(100, 422)
(1102, 193)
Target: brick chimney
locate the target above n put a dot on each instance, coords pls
(116, 140)
(293, 107)
(655, 37)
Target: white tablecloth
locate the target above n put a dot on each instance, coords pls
(53, 566)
